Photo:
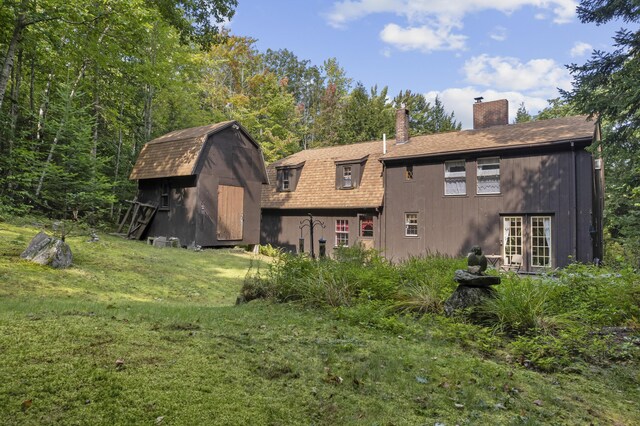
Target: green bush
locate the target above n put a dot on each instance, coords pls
(356, 273)
(522, 305)
(426, 282)
(597, 296)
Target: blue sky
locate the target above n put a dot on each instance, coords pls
(456, 49)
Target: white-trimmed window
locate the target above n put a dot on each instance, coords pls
(455, 178)
(347, 181)
(512, 238)
(488, 175)
(541, 241)
(411, 224)
(342, 232)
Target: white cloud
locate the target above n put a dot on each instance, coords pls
(499, 33)
(540, 77)
(460, 101)
(420, 11)
(421, 38)
(430, 24)
(580, 49)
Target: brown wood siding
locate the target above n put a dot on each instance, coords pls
(179, 220)
(281, 228)
(229, 159)
(230, 212)
(533, 184)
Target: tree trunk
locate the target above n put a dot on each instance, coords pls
(16, 38)
(61, 126)
(62, 123)
(118, 151)
(42, 113)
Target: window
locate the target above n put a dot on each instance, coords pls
(488, 175)
(342, 232)
(366, 226)
(408, 172)
(164, 195)
(286, 182)
(411, 224)
(455, 178)
(512, 238)
(541, 241)
(346, 177)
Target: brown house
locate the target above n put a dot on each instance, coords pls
(206, 183)
(340, 186)
(528, 192)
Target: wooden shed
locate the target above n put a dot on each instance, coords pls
(206, 183)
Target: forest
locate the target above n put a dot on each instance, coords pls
(84, 85)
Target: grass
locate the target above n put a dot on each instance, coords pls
(197, 359)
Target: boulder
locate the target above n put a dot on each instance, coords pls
(473, 280)
(50, 251)
(467, 297)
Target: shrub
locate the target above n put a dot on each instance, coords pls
(425, 282)
(521, 305)
(597, 296)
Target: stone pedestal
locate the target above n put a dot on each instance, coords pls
(472, 290)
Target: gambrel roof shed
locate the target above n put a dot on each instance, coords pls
(178, 153)
(205, 183)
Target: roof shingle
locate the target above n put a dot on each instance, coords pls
(173, 154)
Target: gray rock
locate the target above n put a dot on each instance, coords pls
(467, 297)
(473, 280)
(46, 250)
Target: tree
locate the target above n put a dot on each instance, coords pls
(522, 115)
(557, 108)
(606, 87)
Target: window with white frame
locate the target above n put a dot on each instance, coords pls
(455, 178)
(488, 175)
(347, 181)
(512, 238)
(342, 232)
(411, 224)
(541, 241)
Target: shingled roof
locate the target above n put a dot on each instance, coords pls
(316, 186)
(174, 154)
(534, 133)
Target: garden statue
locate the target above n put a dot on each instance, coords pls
(473, 284)
(476, 261)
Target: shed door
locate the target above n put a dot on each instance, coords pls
(230, 208)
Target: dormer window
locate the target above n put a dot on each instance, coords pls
(347, 181)
(287, 177)
(349, 172)
(286, 183)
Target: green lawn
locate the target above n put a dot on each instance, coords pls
(187, 356)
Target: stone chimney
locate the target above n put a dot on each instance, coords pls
(493, 113)
(402, 125)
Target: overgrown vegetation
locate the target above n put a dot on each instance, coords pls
(133, 334)
(581, 314)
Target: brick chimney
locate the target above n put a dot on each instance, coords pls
(402, 125)
(493, 113)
